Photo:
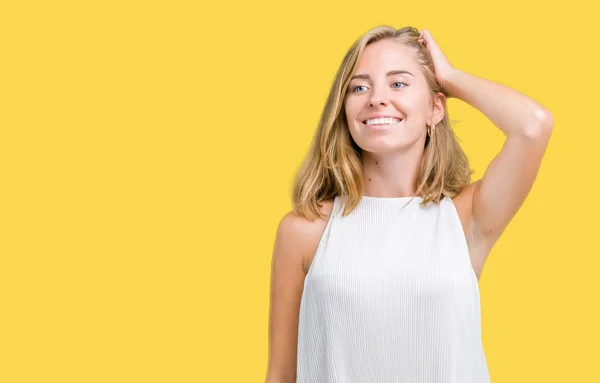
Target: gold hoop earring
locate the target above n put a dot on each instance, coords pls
(430, 130)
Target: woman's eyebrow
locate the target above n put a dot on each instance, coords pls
(391, 73)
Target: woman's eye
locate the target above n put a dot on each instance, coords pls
(355, 89)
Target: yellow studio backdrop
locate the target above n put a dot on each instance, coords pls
(147, 153)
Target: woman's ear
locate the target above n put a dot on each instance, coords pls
(438, 107)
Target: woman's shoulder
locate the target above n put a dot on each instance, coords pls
(305, 234)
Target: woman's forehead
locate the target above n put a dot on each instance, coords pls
(385, 56)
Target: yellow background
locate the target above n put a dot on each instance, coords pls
(147, 152)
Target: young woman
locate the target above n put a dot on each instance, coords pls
(375, 270)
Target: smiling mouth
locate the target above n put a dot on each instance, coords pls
(380, 125)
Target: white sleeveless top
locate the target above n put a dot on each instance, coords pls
(391, 296)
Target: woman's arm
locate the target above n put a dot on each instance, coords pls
(527, 125)
(511, 111)
(296, 242)
(287, 281)
(510, 176)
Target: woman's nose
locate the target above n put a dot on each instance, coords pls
(377, 99)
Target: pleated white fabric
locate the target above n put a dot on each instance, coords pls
(391, 296)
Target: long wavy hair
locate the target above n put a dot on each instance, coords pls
(333, 165)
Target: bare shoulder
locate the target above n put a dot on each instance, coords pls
(296, 240)
(305, 235)
(478, 248)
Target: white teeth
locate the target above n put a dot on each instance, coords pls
(382, 121)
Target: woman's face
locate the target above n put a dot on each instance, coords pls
(388, 82)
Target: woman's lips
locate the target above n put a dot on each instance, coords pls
(380, 127)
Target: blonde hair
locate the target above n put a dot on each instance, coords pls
(333, 166)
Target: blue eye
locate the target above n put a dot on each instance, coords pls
(397, 82)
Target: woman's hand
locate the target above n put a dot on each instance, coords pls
(443, 68)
